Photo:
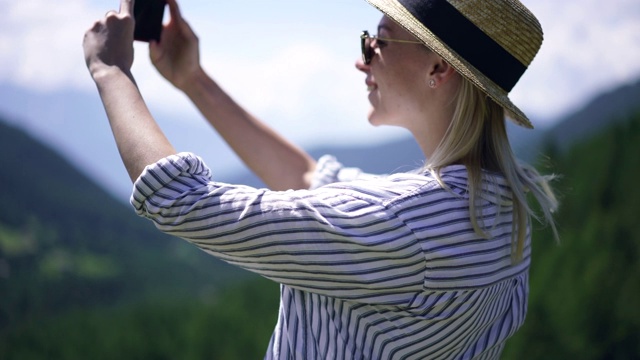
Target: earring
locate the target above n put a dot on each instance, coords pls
(432, 83)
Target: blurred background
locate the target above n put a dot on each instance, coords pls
(82, 277)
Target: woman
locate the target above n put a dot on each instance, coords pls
(431, 264)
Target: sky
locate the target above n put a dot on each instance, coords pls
(291, 62)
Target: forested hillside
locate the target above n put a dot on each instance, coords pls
(65, 244)
(586, 290)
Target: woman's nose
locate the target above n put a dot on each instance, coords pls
(360, 65)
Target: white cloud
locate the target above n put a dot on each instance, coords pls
(41, 43)
(303, 83)
(290, 82)
(589, 46)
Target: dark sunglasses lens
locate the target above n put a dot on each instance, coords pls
(367, 51)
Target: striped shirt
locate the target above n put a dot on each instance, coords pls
(370, 267)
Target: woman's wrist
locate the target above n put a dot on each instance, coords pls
(195, 83)
(102, 73)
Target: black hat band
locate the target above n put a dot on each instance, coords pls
(466, 39)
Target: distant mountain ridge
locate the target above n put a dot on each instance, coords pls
(604, 110)
(95, 154)
(74, 123)
(403, 155)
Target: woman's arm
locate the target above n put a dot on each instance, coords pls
(108, 48)
(279, 163)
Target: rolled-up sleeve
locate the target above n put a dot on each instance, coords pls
(338, 240)
(329, 170)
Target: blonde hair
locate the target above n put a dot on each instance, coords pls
(477, 138)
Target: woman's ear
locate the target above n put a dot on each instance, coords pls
(441, 71)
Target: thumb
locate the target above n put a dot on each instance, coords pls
(155, 51)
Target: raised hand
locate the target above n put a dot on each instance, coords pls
(177, 56)
(109, 42)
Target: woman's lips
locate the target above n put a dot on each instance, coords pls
(370, 85)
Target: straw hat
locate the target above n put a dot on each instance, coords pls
(490, 42)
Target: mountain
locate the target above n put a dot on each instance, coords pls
(74, 123)
(528, 145)
(601, 112)
(65, 243)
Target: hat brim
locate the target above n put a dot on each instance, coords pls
(398, 13)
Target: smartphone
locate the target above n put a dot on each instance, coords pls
(148, 15)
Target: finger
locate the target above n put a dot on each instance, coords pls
(174, 10)
(126, 7)
(176, 16)
(155, 51)
(97, 26)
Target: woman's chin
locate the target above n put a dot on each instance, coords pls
(374, 117)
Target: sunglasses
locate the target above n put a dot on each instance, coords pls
(367, 49)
